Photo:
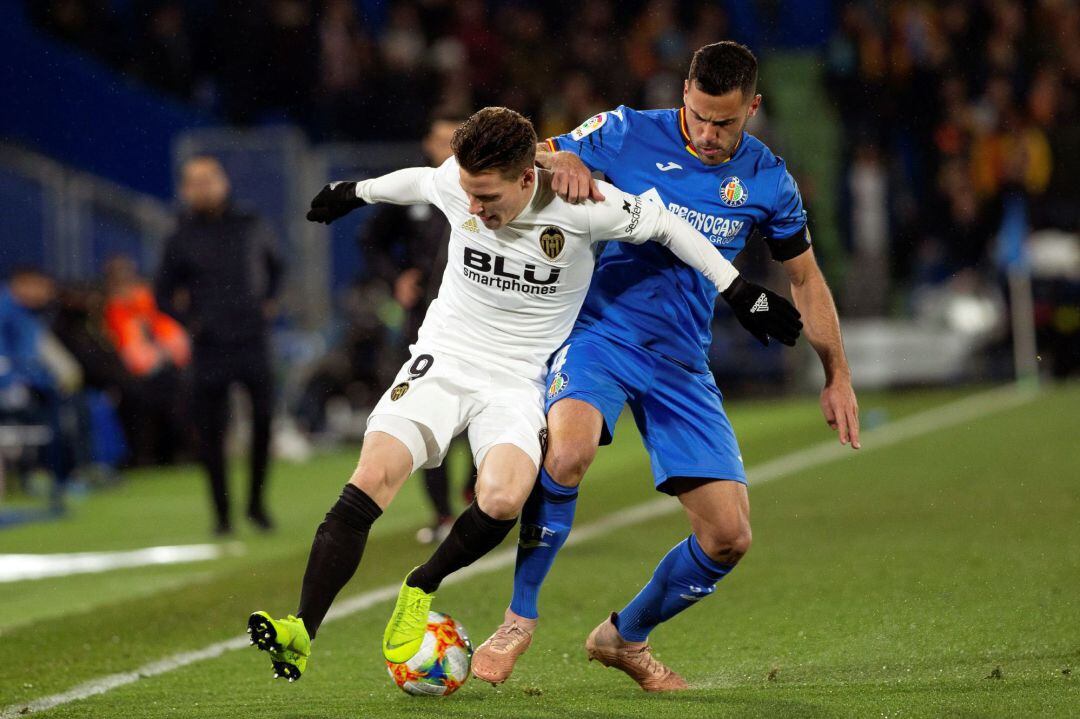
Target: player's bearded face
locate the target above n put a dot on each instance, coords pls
(716, 122)
(495, 197)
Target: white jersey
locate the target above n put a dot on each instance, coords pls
(509, 297)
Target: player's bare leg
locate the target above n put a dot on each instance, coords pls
(505, 480)
(385, 463)
(573, 436)
(574, 429)
(719, 514)
(503, 484)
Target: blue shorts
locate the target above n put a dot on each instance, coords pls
(679, 412)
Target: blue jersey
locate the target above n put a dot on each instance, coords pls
(641, 293)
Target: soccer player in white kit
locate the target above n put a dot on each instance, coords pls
(520, 262)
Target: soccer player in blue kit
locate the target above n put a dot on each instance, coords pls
(642, 338)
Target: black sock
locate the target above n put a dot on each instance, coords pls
(474, 534)
(438, 489)
(335, 553)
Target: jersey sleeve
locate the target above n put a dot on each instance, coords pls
(785, 230)
(445, 183)
(629, 218)
(410, 186)
(597, 141)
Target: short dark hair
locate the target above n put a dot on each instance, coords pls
(495, 139)
(722, 67)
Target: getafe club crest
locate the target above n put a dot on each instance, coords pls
(558, 384)
(552, 241)
(399, 391)
(733, 192)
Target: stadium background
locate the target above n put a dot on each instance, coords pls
(937, 146)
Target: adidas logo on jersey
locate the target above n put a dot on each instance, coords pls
(762, 304)
(470, 225)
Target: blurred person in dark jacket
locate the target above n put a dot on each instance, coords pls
(220, 275)
(79, 326)
(405, 245)
(406, 248)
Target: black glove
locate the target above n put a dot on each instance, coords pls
(334, 201)
(763, 312)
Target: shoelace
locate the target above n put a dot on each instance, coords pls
(413, 620)
(291, 632)
(507, 636)
(643, 658)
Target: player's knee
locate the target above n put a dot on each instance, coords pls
(726, 545)
(371, 478)
(567, 462)
(501, 502)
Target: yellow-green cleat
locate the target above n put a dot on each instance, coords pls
(286, 640)
(405, 631)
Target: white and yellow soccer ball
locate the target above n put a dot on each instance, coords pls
(441, 665)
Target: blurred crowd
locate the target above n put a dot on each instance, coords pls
(950, 109)
(127, 371)
(92, 376)
(378, 73)
(945, 106)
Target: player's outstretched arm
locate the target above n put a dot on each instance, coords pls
(813, 297)
(411, 186)
(762, 312)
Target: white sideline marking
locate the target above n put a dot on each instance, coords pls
(953, 413)
(21, 567)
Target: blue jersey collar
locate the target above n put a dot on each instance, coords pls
(688, 145)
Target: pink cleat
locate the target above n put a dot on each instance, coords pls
(607, 646)
(494, 660)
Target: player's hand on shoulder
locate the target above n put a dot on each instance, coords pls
(334, 201)
(763, 313)
(572, 180)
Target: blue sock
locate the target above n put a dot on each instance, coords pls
(684, 576)
(545, 524)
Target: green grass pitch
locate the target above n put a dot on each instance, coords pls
(938, 576)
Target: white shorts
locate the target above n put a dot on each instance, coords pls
(436, 396)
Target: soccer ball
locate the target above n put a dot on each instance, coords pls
(441, 665)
